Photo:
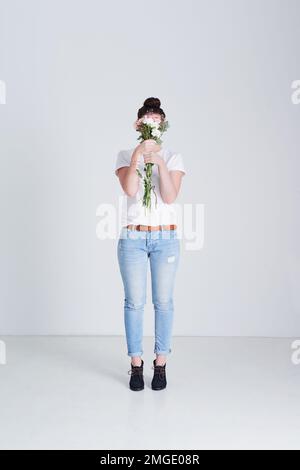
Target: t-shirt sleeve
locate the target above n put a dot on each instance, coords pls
(176, 163)
(122, 160)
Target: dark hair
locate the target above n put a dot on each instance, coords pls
(151, 105)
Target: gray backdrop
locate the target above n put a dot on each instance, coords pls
(76, 72)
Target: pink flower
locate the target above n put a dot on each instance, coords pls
(137, 123)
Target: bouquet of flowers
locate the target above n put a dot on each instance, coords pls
(149, 129)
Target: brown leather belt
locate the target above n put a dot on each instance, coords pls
(151, 227)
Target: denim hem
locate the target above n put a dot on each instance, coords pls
(164, 353)
(139, 353)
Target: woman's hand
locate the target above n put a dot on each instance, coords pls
(148, 146)
(154, 158)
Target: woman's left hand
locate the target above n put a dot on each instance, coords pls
(154, 157)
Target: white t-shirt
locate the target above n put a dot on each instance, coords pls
(133, 211)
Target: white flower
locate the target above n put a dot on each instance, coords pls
(147, 120)
(155, 124)
(150, 122)
(155, 132)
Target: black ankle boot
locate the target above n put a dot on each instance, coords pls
(159, 381)
(136, 382)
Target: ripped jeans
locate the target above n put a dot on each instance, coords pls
(162, 247)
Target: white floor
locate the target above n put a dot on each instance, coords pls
(72, 393)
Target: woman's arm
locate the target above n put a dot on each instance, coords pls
(169, 184)
(169, 181)
(129, 179)
(128, 176)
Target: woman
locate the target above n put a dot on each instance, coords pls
(149, 234)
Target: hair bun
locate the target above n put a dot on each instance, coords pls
(152, 103)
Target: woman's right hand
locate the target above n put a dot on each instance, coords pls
(148, 146)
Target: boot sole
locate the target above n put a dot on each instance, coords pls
(136, 389)
(157, 389)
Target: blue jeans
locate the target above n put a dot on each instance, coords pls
(162, 247)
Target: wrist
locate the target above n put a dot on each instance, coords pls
(133, 164)
(136, 153)
(161, 163)
(135, 158)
